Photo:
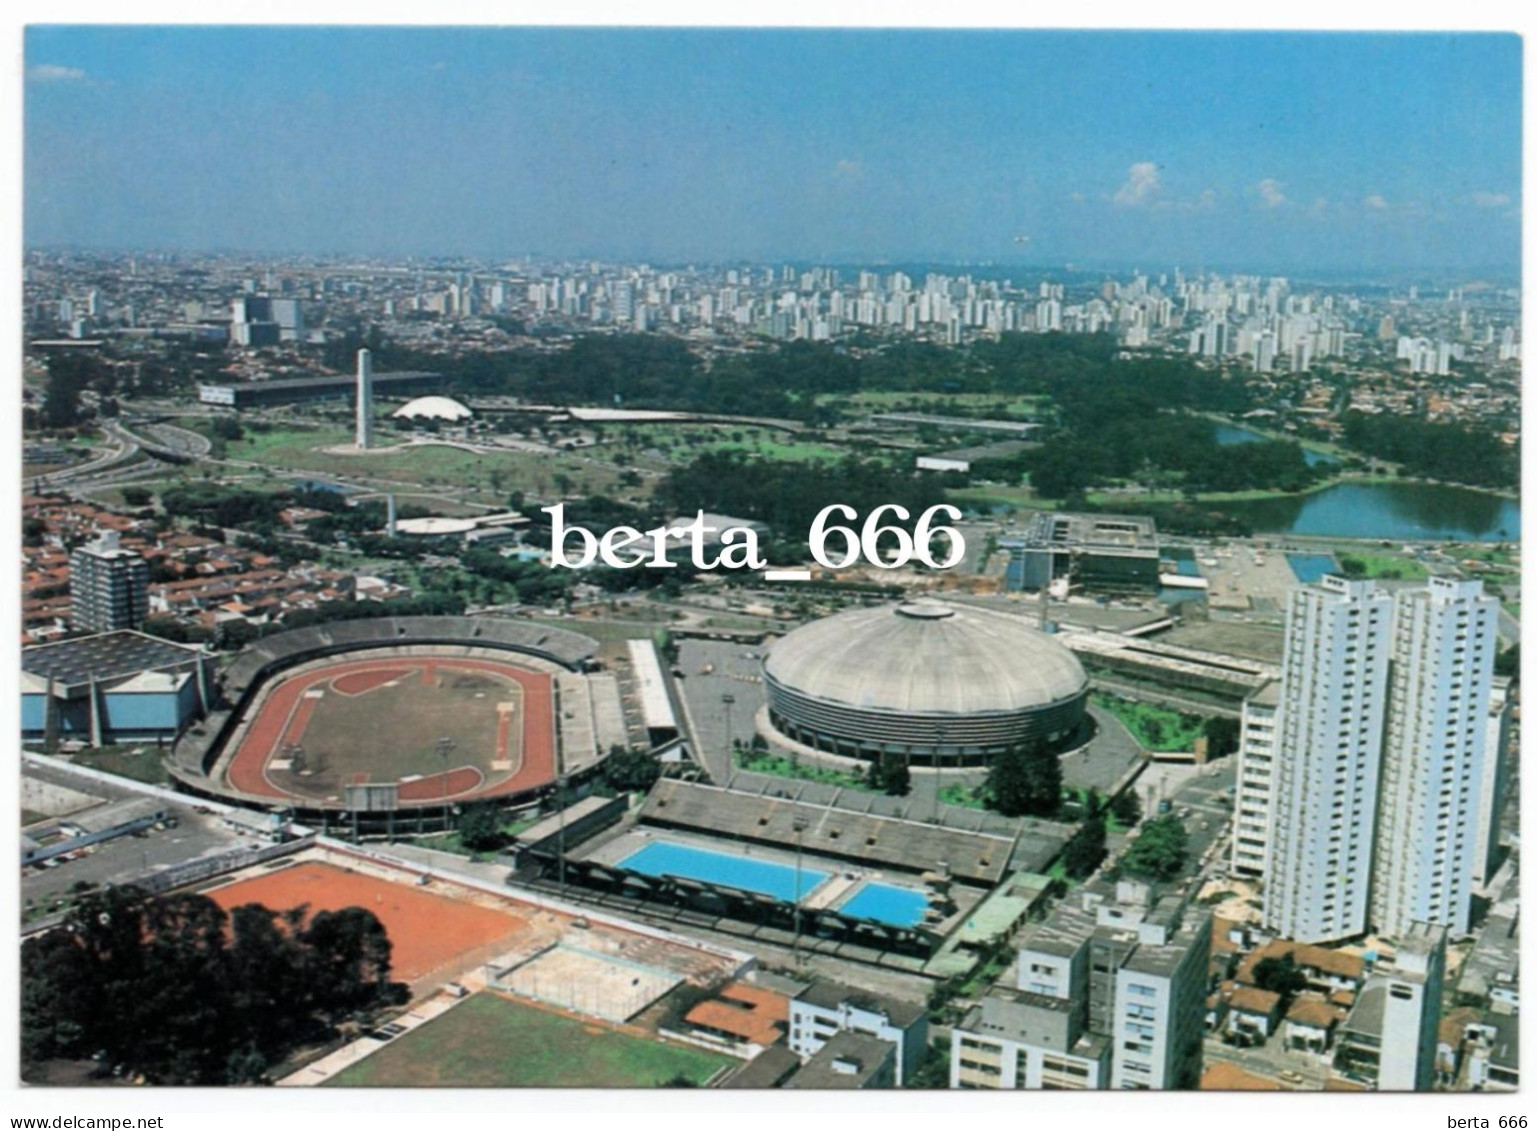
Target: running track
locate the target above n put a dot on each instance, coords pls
(247, 770)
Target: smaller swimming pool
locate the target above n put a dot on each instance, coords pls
(1308, 568)
(886, 903)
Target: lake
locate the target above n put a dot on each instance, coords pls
(1400, 512)
(1232, 434)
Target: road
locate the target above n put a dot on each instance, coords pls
(1269, 1061)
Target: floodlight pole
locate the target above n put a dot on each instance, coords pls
(560, 802)
(798, 823)
(445, 748)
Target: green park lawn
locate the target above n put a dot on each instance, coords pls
(760, 762)
(681, 443)
(490, 1041)
(493, 474)
(1385, 566)
(1155, 728)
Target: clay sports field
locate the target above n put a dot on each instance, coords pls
(428, 931)
(446, 728)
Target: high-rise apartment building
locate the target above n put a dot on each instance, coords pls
(1369, 809)
(1444, 640)
(1494, 786)
(1323, 803)
(1256, 779)
(108, 586)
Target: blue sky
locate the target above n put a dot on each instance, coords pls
(1269, 151)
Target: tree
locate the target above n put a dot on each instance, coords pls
(1127, 808)
(176, 991)
(480, 827)
(1026, 781)
(1221, 736)
(1508, 662)
(1280, 975)
(1159, 851)
(633, 771)
(893, 774)
(1008, 782)
(1084, 852)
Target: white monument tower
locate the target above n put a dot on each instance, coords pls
(365, 399)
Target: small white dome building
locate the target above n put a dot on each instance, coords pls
(444, 409)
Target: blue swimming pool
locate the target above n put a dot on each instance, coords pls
(900, 907)
(663, 857)
(1310, 567)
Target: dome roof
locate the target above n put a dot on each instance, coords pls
(433, 408)
(925, 657)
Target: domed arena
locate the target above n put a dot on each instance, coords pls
(445, 409)
(941, 684)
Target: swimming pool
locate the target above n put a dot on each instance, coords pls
(1310, 567)
(663, 857)
(899, 907)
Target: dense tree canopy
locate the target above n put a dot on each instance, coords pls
(1456, 453)
(175, 990)
(1159, 851)
(1026, 781)
(1085, 850)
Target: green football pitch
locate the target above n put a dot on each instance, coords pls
(490, 1041)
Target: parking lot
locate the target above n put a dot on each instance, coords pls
(124, 858)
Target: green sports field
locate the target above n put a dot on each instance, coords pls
(492, 1042)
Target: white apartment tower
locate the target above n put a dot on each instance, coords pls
(1323, 805)
(1444, 640)
(108, 586)
(1494, 790)
(1256, 778)
(365, 431)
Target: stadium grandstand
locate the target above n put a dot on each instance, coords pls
(410, 716)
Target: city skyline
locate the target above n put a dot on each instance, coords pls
(1202, 149)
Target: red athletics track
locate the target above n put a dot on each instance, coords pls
(247, 771)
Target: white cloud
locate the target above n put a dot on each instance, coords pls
(52, 72)
(1491, 199)
(848, 170)
(1141, 181)
(1270, 193)
(1375, 201)
(1207, 199)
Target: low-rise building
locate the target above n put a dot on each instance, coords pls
(849, 1060)
(826, 1008)
(1253, 1013)
(1017, 1039)
(1389, 1040)
(1114, 966)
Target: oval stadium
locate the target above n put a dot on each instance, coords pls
(400, 719)
(940, 684)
